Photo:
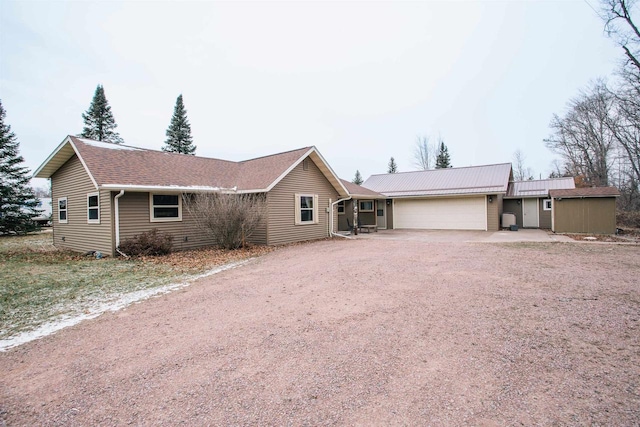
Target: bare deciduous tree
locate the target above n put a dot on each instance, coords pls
(520, 171)
(229, 219)
(583, 137)
(424, 153)
(620, 26)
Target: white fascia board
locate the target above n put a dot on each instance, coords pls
(64, 143)
(296, 163)
(289, 169)
(84, 165)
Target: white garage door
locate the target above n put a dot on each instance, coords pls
(469, 213)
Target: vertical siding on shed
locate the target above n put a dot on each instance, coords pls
(590, 215)
(544, 216)
(493, 213)
(73, 182)
(281, 206)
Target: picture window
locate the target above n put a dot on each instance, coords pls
(165, 207)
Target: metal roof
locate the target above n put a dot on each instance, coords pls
(487, 179)
(538, 188)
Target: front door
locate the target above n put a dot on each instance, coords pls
(381, 214)
(530, 213)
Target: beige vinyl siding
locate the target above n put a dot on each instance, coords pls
(135, 219)
(493, 212)
(281, 206)
(73, 182)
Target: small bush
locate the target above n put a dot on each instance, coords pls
(148, 243)
(628, 219)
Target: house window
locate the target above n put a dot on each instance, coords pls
(62, 210)
(546, 204)
(93, 208)
(366, 205)
(165, 207)
(306, 209)
(341, 207)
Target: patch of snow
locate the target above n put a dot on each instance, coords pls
(108, 145)
(102, 307)
(183, 188)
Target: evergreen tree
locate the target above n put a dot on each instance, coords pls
(99, 123)
(179, 138)
(393, 167)
(443, 160)
(358, 178)
(17, 202)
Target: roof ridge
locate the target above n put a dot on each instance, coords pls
(443, 169)
(278, 154)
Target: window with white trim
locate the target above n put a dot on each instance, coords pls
(306, 209)
(165, 207)
(546, 204)
(366, 205)
(93, 208)
(341, 208)
(62, 210)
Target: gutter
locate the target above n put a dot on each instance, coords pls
(331, 233)
(117, 221)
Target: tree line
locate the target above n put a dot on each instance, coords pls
(598, 136)
(426, 156)
(100, 125)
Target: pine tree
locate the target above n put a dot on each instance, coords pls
(17, 201)
(443, 160)
(358, 178)
(99, 123)
(179, 138)
(393, 167)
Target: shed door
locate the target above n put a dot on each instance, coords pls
(468, 213)
(530, 213)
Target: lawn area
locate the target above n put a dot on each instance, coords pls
(42, 284)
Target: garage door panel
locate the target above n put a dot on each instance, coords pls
(441, 214)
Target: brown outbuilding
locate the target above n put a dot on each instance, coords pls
(584, 210)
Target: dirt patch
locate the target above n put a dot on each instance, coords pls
(352, 333)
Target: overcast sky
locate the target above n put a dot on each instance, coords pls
(359, 80)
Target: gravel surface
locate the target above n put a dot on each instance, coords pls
(358, 332)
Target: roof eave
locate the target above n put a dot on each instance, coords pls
(63, 152)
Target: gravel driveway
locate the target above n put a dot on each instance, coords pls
(363, 332)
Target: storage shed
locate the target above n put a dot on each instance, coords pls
(584, 210)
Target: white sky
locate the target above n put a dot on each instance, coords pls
(359, 80)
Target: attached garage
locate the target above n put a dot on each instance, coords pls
(460, 213)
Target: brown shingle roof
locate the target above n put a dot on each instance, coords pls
(586, 192)
(121, 167)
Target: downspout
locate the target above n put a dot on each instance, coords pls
(331, 218)
(117, 221)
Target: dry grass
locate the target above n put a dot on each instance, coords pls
(42, 284)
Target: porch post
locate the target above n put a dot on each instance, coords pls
(355, 217)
